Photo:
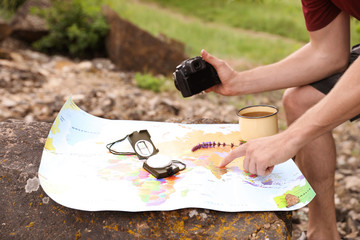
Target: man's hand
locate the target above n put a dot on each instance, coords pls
(262, 154)
(226, 74)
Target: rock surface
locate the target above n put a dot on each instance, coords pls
(27, 26)
(5, 29)
(134, 49)
(34, 86)
(28, 213)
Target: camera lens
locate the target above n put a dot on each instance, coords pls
(197, 65)
(176, 81)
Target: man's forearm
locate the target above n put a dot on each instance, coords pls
(304, 66)
(326, 53)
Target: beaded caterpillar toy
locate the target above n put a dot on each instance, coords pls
(214, 144)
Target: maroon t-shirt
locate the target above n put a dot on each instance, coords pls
(319, 13)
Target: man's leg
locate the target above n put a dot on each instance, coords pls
(317, 161)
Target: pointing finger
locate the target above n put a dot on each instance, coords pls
(238, 152)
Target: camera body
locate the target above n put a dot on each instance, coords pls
(194, 75)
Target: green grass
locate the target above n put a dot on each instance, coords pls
(5, 15)
(219, 39)
(8, 7)
(147, 81)
(283, 18)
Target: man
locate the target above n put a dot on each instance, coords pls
(312, 110)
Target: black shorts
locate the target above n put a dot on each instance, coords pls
(326, 84)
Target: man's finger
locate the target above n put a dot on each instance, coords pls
(209, 58)
(204, 54)
(238, 152)
(269, 170)
(246, 163)
(264, 170)
(210, 89)
(252, 166)
(260, 170)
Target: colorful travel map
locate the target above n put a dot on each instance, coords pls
(78, 171)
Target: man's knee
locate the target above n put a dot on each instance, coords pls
(298, 100)
(288, 99)
(293, 101)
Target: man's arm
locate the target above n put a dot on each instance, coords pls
(341, 104)
(325, 54)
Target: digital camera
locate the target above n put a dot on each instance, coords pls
(195, 75)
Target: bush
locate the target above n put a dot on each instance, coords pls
(147, 81)
(10, 5)
(73, 29)
(8, 8)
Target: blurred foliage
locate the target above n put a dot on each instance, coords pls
(149, 82)
(249, 1)
(10, 5)
(74, 29)
(356, 25)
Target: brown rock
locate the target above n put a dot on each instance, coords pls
(28, 213)
(4, 53)
(29, 27)
(173, 42)
(133, 49)
(352, 183)
(5, 29)
(17, 78)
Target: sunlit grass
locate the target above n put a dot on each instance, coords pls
(219, 39)
(282, 18)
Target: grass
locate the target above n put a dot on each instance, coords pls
(8, 7)
(219, 39)
(283, 18)
(147, 81)
(5, 15)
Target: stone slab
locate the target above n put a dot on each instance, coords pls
(131, 48)
(26, 212)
